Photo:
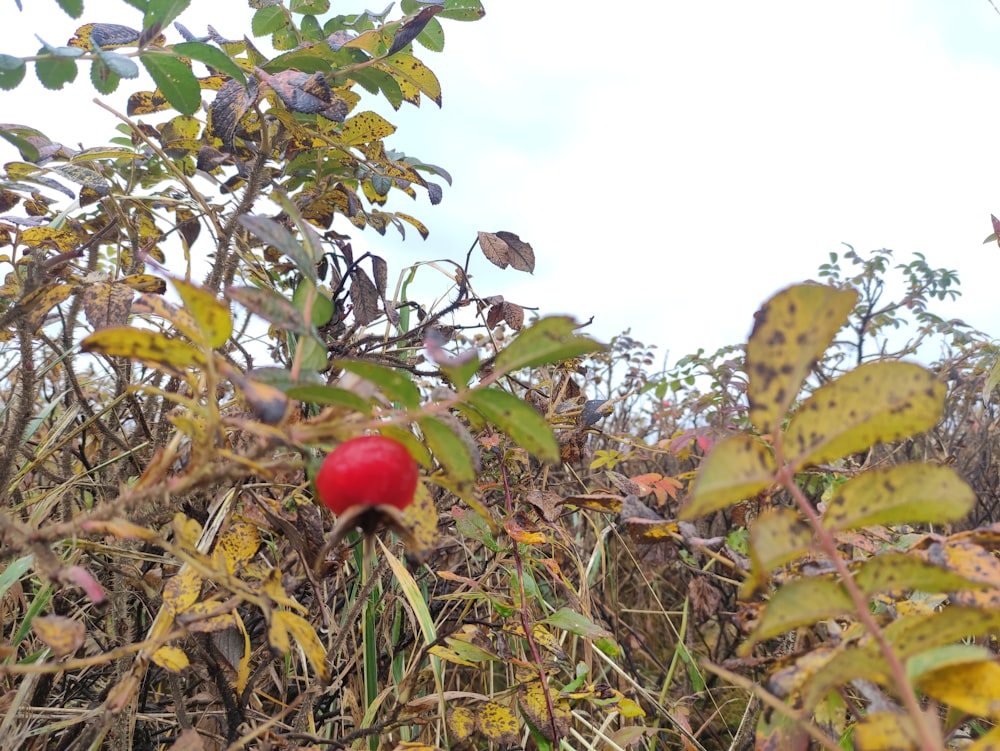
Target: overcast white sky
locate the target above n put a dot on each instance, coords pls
(672, 163)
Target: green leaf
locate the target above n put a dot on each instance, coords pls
(314, 353)
(393, 383)
(575, 623)
(519, 420)
(875, 402)
(310, 7)
(175, 81)
(214, 320)
(549, 340)
(912, 493)
(267, 20)
(54, 71)
(12, 70)
(216, 58)
(737, 468)
(322, 305)
(14, 571)
(462, 10)
(29, 152)
(461, 369)
(329, 395)
(282, 240)
(160, 13)
(432, 37)
(119, 64)
(103, 78)
(72, 8)
(791, 331)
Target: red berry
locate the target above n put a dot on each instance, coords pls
(367, 471)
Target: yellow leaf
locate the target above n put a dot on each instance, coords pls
(497, 723)
(171, 658)
(274, 589)
(198, 617)
(243, 669)
(461, 722)
(875, 402)
(421, 519)
(412, 76)
(534, 705)
(46, 237)
(186, 530)
(238, 545)
(181, 591)
(305, 635)
(737, 468)
(366, 127)
(886, 731)
(629, 708)
(40, 302)
(791, 331)
(60, 634)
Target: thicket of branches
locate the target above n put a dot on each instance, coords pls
(599, 555)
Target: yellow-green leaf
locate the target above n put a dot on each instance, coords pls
(777, 537)
(407, 69)
(737, 468)
(150, 347)
(911, 493)
(212, 316)
(449, 448)
(876, 402)
(801, 602)
(791, 330)
(889, 572)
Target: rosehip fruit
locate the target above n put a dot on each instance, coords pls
(365, 472)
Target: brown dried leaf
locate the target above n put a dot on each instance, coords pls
(106, 304)
(546, 502)
(505, 249)
(364, 297)
(513, 315)
(607, 502)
